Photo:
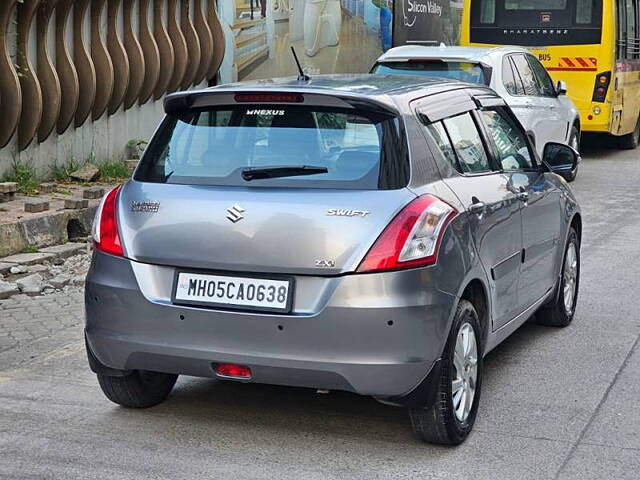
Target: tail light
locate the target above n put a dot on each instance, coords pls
(269, 97)
(413, 237)
(601, 87)
(105, 226)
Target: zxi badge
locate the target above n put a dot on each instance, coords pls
(145, 206)
(325, 263)
(234, 213)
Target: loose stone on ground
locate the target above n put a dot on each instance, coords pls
(32, 284)
(60, 268)
(8, 289)
(87, 173)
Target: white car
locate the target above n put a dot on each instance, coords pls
(544, 110)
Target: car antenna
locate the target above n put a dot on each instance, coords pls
(302, 77)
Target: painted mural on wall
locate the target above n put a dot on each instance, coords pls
(329, 36)
(427, 22)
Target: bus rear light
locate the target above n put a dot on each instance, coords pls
(601, 87)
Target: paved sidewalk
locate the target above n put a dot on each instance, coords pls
(25, 319)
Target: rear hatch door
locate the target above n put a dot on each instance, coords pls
(254, 230)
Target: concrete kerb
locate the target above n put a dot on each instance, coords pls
(44, 230)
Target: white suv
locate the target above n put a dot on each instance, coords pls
(544, 110)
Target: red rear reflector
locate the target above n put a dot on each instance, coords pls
(106, 236)
(269, 97)
(233, 371)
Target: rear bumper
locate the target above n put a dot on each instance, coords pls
(375, 334)
(600, 123)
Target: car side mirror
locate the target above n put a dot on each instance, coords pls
(561, 88)
(560, 158)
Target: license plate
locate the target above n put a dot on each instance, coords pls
(250, 293)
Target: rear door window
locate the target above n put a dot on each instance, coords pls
(467, 143)
(526, 75)
(359, 149)
(441, 137)
(545, 83)
(510, 79)
(509, 140)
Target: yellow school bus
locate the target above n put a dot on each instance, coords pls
(591, 45)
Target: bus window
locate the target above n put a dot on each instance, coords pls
(632, 46)
(539, 5)
(584, 12)
(621, 27)
(487, 11)
(628, 44)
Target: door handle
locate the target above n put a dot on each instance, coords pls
(477, 206)
(522, 196)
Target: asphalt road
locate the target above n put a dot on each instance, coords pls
(556, 404)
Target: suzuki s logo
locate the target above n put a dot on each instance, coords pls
(234, 213)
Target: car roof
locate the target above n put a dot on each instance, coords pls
(359, 84)
(476, 54)
(388, 91)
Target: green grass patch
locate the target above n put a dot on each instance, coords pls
(30, 250)
(113, 170)
(25, 176)
(62, 173)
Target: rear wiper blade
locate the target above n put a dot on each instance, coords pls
(257, 173)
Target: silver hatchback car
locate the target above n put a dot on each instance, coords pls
(370, 233)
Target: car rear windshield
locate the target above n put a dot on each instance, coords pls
(358, 150)
(464, 71)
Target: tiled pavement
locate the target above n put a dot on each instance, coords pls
(24, 319)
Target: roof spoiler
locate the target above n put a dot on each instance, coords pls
(176, 103)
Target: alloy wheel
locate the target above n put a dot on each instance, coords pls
(570, 277)
(465, 372)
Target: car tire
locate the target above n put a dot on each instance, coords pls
(631, 140)
(560, 313)
(574, 141)
(441, 422)
(139, 389)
